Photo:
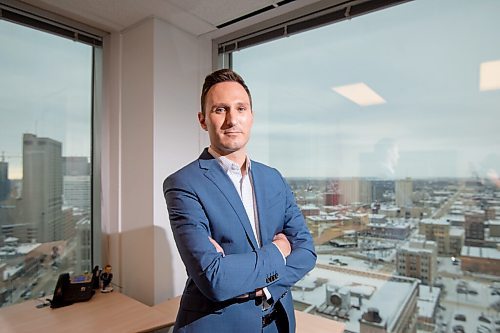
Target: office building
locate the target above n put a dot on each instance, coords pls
(449, 240)
(364, 302)
(76, 192)
(404, 192)
(84, 244)
(480, 260)
(4, 180)
(76, 166)
(42, 186)
(474, 227)
(428, 308)
(355, 191)
(418, 259)
(24, 232)
(391, 229)
(310, 210)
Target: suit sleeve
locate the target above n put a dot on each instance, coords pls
(303, 257)
(218, 277)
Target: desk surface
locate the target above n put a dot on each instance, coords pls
(306, 323)
(112, 312)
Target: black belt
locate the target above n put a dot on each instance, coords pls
(269, 318)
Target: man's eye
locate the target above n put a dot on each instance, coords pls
(242, 109)
(220, 110)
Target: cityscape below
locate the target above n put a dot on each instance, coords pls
(403, 255)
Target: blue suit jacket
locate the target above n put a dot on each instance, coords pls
(203, 202)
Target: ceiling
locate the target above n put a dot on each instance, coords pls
(197, 17)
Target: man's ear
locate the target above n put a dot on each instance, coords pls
(201, 119)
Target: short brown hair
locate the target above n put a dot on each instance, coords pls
(221, 75)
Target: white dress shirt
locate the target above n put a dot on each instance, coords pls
(243, 185)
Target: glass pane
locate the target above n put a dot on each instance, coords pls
(387, 129)
(45, 149)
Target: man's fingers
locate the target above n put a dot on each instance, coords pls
(283, 244)
(218, 248)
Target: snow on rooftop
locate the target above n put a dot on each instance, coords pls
(27, 248)
(435, 221)
(309, 206)
(480, 252)
(327, 218)
(428, 299)
(376, 216)
(10, 271)
(386, 293)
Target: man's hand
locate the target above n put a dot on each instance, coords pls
(218, 248)
(283, 244)
(258, 293)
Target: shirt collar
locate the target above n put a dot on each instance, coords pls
(227, 164)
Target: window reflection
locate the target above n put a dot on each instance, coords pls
(45, 179)
(401, 197)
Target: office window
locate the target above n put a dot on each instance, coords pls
(387, 126)
(46, 94)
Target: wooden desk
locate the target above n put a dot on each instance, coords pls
(112, 312)
(306, 323)
(169, 309)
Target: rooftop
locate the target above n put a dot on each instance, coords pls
(480, 252)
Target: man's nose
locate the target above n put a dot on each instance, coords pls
(231, 117)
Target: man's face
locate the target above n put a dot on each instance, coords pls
(228, 117)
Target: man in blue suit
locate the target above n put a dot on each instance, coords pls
(237, 227)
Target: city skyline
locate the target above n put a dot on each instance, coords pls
(436, 120)
(45, 89)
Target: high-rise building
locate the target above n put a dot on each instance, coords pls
(76, 191)
(4, 180)
(355, 191)
(404, 192)
(4, 193)
(76, 166)
(84, 245)
(474, 227)
(43, 186)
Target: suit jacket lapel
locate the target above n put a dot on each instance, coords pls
(259, 186)
(216, 174)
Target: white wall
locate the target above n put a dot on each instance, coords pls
(153, 76)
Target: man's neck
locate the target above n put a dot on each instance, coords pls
(239, 157)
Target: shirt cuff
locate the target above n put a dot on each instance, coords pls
(267, 293)
(268, 299)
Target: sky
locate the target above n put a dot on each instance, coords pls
(45, 89)
(422, 57)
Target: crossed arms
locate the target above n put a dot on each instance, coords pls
(221, 276)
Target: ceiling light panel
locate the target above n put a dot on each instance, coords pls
(489, 75)
(360, 93)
